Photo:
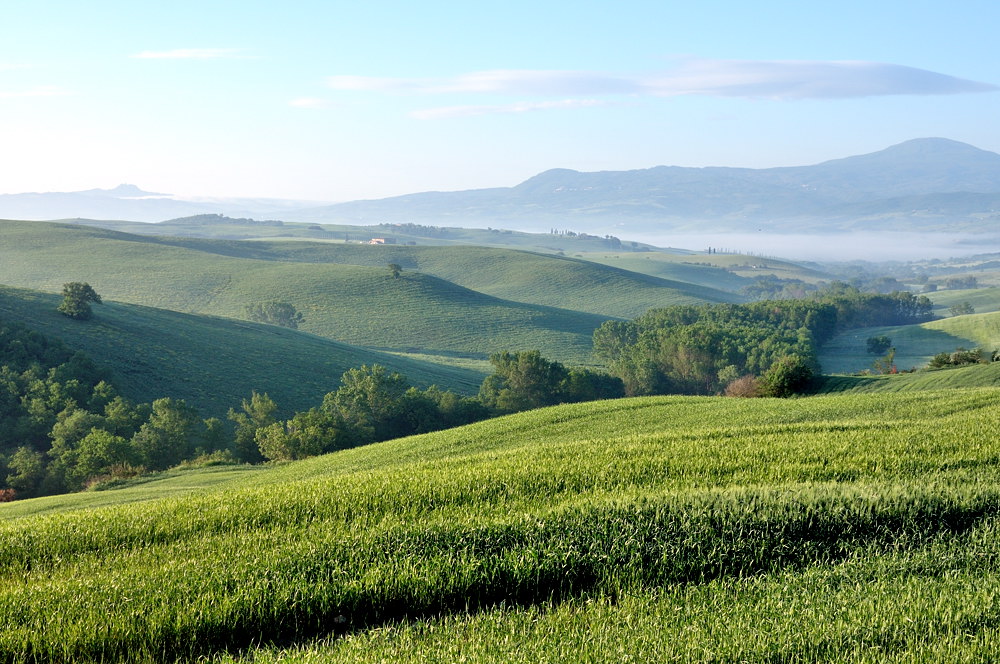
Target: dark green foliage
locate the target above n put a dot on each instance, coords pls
(370, 400)
(274, 313)
(960, 357)
(522, 381)
(701, 349)
(961, 309)
(372, 404)
(170, 435)
(257, 413)
(878, 345)
(395, 269)
(77, 297)
(588, 385)
(788, 375)
(306, 434)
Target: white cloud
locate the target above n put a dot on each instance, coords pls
(520, 107)
(778, 79)
(190, 54)
(38, 91)
(802, 79)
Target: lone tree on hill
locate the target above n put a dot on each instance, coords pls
(274, 313)
(395, 269)
(77, 297)
(878, 345)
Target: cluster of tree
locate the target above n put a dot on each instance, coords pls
(274, 313)
(961, 283)
(62, 422)
(525, 380)
(703, 349)
(961, 309)
(371, 404)
(770, 287)
(961, 357)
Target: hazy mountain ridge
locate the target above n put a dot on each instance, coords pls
(922, 184)
(959, 179)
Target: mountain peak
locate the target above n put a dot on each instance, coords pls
(123, 191)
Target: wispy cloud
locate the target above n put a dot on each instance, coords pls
(804, 79)
(777, 79)
(519, 107)
(192, 54)
(38, 91)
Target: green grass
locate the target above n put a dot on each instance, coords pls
(703, 529)
(978, 375)
(211, 362)
(915, 344)
(983, 300)
(337, 233)
(359, 305)
(728, 272)
(520, 276)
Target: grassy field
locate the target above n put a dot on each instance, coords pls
(915, 344)
(983, 300)
(211, 362)
(338, 233)
(657, 529)
(977, 375)
(532, 278)
(355, 304)
(728, 272)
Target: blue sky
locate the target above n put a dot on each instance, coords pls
(345, 100)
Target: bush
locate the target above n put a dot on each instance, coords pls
(746, 387)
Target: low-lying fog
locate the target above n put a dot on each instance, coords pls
(834, 247)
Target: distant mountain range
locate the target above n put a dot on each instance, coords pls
(924, 184)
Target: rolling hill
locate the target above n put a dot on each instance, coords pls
(670, 528)
(212, 362)
(360, 303)
(915, 344)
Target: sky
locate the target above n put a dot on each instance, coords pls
(335, 101)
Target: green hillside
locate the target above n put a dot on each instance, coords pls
(211, 362)
(361, 305)
(521, 276)
(657, 529)
(977, 375)
(915, 344)
(727, 272)
(983, 300)
(219, 227)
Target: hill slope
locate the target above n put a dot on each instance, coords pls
(213, 363)
(739, 528)
(354, 304)
(915, 344)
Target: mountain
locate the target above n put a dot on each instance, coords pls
(129, 202)
(920, 185)
(923, 184)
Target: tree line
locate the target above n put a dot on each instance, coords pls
(769, 346)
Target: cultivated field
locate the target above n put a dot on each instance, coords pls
(653, 529)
